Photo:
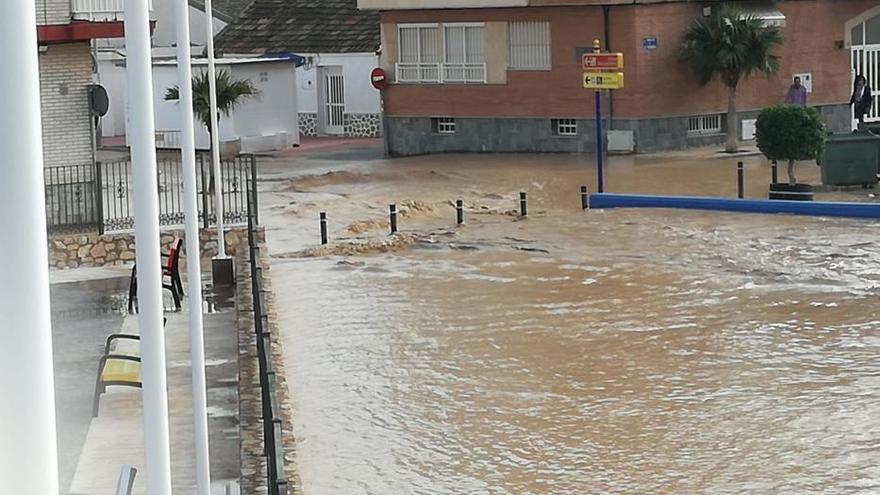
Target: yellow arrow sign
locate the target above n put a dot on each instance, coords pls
(603, 80)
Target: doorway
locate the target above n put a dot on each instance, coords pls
(332, 100)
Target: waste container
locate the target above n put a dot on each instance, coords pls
(851, 159)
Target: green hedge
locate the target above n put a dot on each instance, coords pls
(790, 132)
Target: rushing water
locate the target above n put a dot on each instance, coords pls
(607, 352)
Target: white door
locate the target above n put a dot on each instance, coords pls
(333, 100)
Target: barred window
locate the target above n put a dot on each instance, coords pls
(702, 125)
(444, 125)
(529, 44)
(565, 127)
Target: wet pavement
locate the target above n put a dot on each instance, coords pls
(628, 351)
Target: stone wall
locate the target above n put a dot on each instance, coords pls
(89, 250)
(363, 124)
(308, 124)
(417, 136)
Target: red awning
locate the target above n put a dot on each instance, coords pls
(82, 31)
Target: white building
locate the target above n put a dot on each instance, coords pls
(340, 45)
(266, 122)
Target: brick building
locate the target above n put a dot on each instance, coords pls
(65, 31)
(505, 75)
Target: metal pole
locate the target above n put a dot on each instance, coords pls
(523, 205)
(774, 176)
(215, 131)
(28, 452)
(459, 212)
(585, 198)
(323, 216)
(146, 231)
(739, 180)
(193, 251)
(392, 210)
(600, 172)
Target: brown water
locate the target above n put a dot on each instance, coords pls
(629, 351)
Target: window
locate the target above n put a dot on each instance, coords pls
(565, 127)
(465, 53)
(264, 76)
(529, 44)
(703, 125)
(455, 54)
(443, 125)
(419, 53)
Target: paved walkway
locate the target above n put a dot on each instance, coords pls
(115, 437)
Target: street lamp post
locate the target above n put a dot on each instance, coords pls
(193, 268)
(28, 452)
(146, 232)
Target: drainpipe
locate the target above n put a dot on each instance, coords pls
(28, 452)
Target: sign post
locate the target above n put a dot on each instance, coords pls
(597, 76)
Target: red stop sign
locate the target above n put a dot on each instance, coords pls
(378, 78)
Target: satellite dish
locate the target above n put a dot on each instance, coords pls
(99, 102)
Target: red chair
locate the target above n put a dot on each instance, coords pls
(170, 269)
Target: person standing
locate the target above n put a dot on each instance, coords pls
(861, 98)
(797, 93)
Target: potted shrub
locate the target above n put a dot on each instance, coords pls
(789, 133)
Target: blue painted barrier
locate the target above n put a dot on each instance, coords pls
(812, 208)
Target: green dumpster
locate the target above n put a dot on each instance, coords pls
(851, 159)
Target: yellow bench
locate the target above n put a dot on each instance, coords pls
(117, 368)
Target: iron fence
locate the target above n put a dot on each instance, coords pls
(100, 197)
(271, 410)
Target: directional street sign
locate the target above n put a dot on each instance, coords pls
(593, 61)
(603, 80)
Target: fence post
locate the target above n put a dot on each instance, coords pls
(323, 217)
(392, 211)
(774, 176)
(523, 205)
(459, 212)
(252, 160)
(585, 198)
(201, 160)
(99, 196)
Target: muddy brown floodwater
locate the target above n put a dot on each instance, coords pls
(626, 352)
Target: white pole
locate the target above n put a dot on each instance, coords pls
(28, 453)
(215, 134)
(193, 270)
(146, 231)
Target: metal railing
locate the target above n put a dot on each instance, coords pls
(418, 73)
(100, 197)
(271, 409)
(99, 10)
(441, 73)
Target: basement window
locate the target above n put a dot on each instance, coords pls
(704, 125)
(565, 127)
(443, 125)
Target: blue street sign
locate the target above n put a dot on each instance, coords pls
(649, 43)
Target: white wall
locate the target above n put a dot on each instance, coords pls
(112, 77)
(164, 34)
(360, 96)
(264, 123)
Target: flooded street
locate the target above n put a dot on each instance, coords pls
(627, 351)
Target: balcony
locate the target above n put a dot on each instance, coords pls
(98, 10)
(420, 73)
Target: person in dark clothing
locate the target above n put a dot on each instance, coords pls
(861, 98)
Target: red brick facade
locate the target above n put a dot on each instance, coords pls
(657, 83)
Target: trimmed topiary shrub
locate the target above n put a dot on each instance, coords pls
(790, 133)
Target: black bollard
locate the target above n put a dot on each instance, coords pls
(393, 213)
(323, 228)
(523, 205)
(585, 198)
(774, 177)
(459, 212)
(739, 180)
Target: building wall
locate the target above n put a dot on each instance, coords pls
(52, 12)
(165, 33)
(660, 91)
(362, 100)
(65, 73)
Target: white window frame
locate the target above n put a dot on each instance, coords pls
(566, 127)
(443, 72)
(446, 125)
(425, 72)
(529, 66)
(705, 125)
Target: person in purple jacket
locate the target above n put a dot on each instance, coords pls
(797, 93)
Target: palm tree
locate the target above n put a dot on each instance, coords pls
(230, 93)
(733, 46)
